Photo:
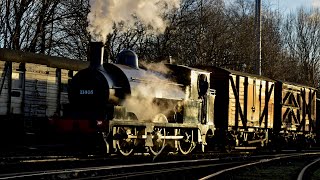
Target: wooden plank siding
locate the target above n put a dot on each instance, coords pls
(297, 110)
(251, 102)
(64, 88)
(38, 92)
(4, 90)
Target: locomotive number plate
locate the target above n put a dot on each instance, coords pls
(86, 91)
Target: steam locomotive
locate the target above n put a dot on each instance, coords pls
(139, 109)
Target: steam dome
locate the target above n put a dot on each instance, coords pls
(128, 58)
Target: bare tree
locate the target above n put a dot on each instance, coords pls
(69, 35)
(125, 39)
(199, 32)
(302, 44)
(50, 27)
(194, 33)
(274, 62)
(240, 19)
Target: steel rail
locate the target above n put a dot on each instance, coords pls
(254, 163)
(302, 173)
(153, 172)
(99, 168)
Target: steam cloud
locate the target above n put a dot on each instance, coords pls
(157, 67)
(105, 13)
(142, 103)
(316, 3)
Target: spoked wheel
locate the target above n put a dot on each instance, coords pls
(186, 144)
(158, 141)
(125, 144)
(159, 134)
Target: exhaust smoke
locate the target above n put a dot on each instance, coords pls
(104, 14)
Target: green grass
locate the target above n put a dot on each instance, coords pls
(316, 174)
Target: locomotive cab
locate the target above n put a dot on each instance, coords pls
(199, 98)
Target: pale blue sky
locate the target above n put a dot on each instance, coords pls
(286, 6)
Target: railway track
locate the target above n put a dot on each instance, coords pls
(129, 169)
(283, 167)
(110, 172)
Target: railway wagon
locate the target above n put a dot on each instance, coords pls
(36, 90)
(295, 114)
(244, 108)
(33, 88)
(256, 111)
(317, 129)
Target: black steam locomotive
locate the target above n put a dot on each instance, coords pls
(179, 107)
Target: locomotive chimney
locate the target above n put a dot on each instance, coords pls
(96, 50)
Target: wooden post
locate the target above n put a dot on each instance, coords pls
(9, 77)
(59, 89)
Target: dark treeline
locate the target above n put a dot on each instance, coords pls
(53, 27)
(208, 32)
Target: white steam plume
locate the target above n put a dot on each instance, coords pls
(156, 67)
(316, 3)
(154, 86)
(105, 13)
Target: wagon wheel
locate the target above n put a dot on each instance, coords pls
(229, 148)
(125, 144)
(186, 144)
(210, 141)
(230, 143)
(158, 141)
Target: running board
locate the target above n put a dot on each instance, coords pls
(256, 141)
(245, 148)
(162, 137)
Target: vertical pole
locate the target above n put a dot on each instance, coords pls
(200, 30)
(258, 36)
